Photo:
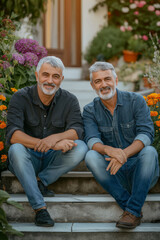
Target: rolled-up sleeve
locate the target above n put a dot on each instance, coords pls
(92, 133)
(15, 117)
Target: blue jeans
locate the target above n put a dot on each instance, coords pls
(27, 164)
(130, 185)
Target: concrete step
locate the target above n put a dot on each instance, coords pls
(80, 208)
(86, 231)
(74, 182)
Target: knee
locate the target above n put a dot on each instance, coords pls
(149, 156)
(91, 158)
(15, 153)
(81, 148)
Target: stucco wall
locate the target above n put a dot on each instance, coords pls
(91, 22)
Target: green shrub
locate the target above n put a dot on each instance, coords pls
(108, 42)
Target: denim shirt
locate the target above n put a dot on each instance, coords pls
(27, 113)
(131, 121)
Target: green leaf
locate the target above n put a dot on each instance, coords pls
(12, 231)
(15, 204)
(3, 236)
(3, 218)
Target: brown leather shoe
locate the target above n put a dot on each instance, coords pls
(128, 220)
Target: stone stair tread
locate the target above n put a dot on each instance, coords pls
(84, 227)
(80, 198)
(69, 174)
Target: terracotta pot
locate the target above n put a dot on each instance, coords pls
(146, 83)
(130, 56)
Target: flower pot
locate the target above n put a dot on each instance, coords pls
(146, 83)
(130, 56)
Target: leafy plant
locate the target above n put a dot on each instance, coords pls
(18, 58)
(32, 9)
(109, 42)
(154, 69)
(136, 44)
(141, 17)
(5, 228)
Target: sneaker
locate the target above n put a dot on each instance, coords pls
(128, 220)
(43, 219)
(45, 191)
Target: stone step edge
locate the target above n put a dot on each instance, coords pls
(84, 227)
(90, 198)
(69, 174)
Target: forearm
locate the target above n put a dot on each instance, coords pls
(102, 149)
(70, 134)
(134, 148)
(24, 139)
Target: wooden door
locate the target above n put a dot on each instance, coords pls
(62, 31)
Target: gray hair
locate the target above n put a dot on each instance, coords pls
(53, 61)
(98, 66)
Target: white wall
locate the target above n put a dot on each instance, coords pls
(91, 22)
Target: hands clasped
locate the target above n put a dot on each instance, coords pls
(117, 159)
(49, 142)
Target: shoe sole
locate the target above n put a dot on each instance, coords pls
(44, 225)
(126, 226)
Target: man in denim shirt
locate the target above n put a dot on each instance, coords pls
(44, 125)
(119, 131)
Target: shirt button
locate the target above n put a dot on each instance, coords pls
(44, 127)
(45, 116)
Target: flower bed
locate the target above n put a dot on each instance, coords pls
(153, 101)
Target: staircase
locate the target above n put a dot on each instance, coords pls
(81, 209)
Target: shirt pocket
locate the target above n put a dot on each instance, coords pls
(106, 134)
(128, 131)
(58, 126)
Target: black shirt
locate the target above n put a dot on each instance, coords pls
(27, 113)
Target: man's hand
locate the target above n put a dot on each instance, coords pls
(65, 145)
(116, 153)
(45, 144)
(113, 166)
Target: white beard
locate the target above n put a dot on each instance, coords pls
(108, 95)
(48, 92)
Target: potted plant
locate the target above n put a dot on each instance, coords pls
(135, 47)
(108, 43)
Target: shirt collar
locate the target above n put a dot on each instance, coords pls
(119, 99)
(36, 99)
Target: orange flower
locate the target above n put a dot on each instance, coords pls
(158, 123)
(152, 95)
(4, 158)
(2, 124)
(3, 107)
(153, 113)
(159, 117)
(150, 102)
(3, 98)
(145, 97)
(14, 89)
(1, 146)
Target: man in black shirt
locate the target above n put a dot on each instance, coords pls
(43, 127)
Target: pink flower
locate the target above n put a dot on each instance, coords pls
(157, 12)
(122, 28)
(151, 8)
(129, 28)
(136, 13)
(141, 4)
(144, 37)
